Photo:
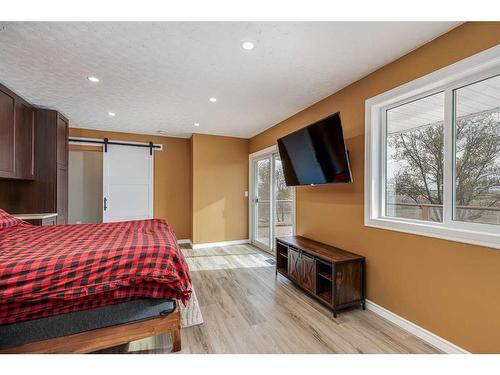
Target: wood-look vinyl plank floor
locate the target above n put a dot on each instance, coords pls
(247, 310)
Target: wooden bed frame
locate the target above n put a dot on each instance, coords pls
(97, 339)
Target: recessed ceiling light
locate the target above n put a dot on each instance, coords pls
(112, 114)
(196, 124)
(213, 100)
(93, 79)
(247, 46)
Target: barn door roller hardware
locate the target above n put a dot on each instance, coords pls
(105, 142)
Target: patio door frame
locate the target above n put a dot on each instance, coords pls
(268, 152)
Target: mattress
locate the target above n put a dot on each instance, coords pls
(53, 270)
(16, 334)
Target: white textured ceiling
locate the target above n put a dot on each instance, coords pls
(159, 76)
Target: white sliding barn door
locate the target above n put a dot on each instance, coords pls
(127, 183)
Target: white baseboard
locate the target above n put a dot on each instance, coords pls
(188, 241)
(223, 243)
(422, 333)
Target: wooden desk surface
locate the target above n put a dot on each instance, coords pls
(34, 216)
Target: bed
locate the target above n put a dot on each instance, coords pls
(67, 273)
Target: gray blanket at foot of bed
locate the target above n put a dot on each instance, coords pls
(68, 324)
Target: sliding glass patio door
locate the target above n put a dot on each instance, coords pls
(262, 203)
(272, 208)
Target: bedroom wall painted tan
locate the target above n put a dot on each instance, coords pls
(449, 288)
(220, 179)
(171, 176)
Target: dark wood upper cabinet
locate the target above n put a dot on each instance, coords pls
(33, 158)
(17, 129)
(62, 140)
(25, 141)
(51, 156)
(7, 138)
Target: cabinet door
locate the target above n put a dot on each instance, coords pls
(62, 194)
(293, 265)
(348, 282)
(62, 141)
(308, 272)
(7, 135)
(25, 129)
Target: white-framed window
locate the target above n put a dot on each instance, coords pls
(432, 154)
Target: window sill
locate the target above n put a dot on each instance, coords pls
(436, 230)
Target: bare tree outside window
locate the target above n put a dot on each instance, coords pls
(415, 154)
(284, 202)
(477, 148)
(284, 198)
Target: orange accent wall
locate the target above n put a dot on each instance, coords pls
(219, 179)
(450, 288)
(171, 175)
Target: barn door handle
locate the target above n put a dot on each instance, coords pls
(105, 204)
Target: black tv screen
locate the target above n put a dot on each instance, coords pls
(315, 154)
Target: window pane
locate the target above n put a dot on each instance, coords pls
(284, 202)
(263, 202)
(414, 159)
(477, 152)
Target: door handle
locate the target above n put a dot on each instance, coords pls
(105, 203)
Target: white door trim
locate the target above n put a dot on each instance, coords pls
(268, 150)
(252, 182)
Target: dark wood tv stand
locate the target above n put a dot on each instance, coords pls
(333, 276)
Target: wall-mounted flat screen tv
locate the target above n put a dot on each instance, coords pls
(316, 154)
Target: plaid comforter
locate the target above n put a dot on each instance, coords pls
(50, 270)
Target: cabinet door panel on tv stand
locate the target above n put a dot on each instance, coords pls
(307, 273)
(293, 265)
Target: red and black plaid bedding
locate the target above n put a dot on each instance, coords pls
(50, 270)
(7, 220)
